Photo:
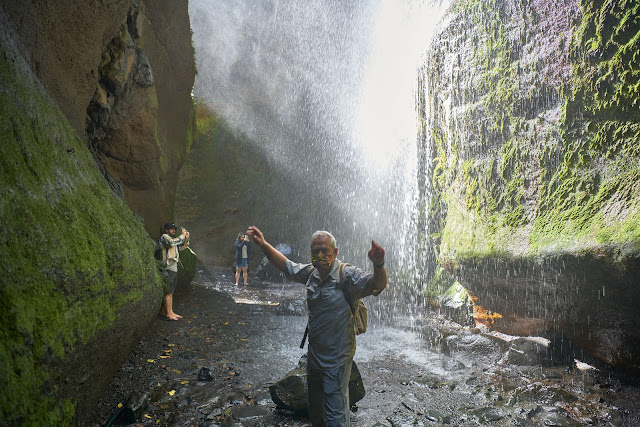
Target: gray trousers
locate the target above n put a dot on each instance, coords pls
(329, 396)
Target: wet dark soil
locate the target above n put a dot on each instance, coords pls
(214, 366)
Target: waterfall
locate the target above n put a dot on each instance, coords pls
(327, 90)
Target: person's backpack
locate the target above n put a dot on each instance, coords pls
(157, 252)
(359, 309)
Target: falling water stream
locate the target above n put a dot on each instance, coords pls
(326, 90)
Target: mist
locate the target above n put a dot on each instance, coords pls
(325, 89)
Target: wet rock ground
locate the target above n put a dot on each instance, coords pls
(213, 368)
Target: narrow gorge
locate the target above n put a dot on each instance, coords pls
(491, 146)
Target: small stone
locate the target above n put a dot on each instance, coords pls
(205, 374)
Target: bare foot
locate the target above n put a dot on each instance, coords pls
(174, 317)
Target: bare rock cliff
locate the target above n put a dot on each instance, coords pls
(122, 72)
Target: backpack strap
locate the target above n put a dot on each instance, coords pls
(304, 338)
(306, 330)
(343, 287)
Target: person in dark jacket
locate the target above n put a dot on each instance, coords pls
(242, 257)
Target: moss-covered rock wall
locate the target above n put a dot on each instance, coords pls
(531, 130)
(79, 283)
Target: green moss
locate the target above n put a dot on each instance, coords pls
(528, 185)
(593, 198)
(75, 256)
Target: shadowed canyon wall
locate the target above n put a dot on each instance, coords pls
(95, 104)
(532, 190)
(228, 184)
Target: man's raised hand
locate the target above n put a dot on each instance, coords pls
(376, 253)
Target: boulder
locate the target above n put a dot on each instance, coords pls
(530, 351)
(291, 391)
(187, 269)
(482, 348)
(266, 270)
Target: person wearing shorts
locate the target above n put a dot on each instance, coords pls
(170, 258)
(242, 257)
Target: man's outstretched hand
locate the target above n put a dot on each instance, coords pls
(257, 235)
(376, 253)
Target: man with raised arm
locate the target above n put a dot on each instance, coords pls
(332, 337)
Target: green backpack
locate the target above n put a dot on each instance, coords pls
(359, 309)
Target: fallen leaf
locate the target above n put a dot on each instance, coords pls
(243, 339)
(165, 357)
(120, 405)
(147, 416)
(225, 323)
(171, 393)
(151, 361)
(184, 382)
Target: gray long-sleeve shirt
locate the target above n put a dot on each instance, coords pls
(332, 338)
